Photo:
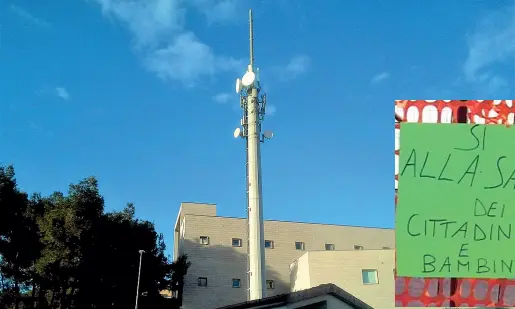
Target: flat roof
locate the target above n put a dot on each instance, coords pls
(300, 222)
(285, 221)
(293, 297)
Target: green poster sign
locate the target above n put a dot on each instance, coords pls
(456, 201)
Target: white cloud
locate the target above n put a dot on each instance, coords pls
(62, 93)
(151, 22)
(187, 59)
(380, 77)
(29, 17)
(221, 10)
(223, 98)
(298, 65)
(492, 43)
(162, 40)
(270, 110)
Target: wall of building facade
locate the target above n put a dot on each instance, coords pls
(220, 262)
(345, 269)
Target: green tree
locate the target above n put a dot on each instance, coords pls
(66, 229)
(63, 251)
(116, 260)
(19, 238)
(179, 269)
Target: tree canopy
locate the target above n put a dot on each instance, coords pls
(65, 251)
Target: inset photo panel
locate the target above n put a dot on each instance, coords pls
(455, 205)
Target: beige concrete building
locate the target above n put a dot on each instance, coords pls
(366, 274)
(217, 248)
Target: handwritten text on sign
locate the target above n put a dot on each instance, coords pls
(456, 201)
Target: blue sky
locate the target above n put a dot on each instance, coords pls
(141, 95)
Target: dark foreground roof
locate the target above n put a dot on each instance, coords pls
(289, 298)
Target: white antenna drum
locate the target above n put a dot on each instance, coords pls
(239, 86)
(248, 79)
(268, 134)
(237, 133)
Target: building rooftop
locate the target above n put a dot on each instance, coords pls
(294, 297)
(209, 210)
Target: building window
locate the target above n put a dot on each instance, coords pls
(204, 240)
(269, 244)
(369, 276)
(202, 281)
(236, 242)
(358, 247)
(236, 283)
(299, 245)
(329, 247)
(387, 248)
(270, 284)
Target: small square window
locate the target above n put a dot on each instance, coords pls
(270, 284)
(329, 247)
(299, 245)
(204, 240)
(358, 247)
(236, 283)
(269, 244)
(202, 281)
(369, 276)
(236, 242)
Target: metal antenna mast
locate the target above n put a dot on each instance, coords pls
(251, 39)
(253, 113)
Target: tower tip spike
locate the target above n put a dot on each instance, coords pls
(251, 38)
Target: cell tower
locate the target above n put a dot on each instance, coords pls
(253, 113)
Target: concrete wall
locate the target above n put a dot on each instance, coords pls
(299, 274)
(201, 209)
(219, 262)
(320, 302)
(344, 269)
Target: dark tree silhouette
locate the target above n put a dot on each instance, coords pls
(64, 251)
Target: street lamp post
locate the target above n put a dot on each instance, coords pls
(139, 275)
